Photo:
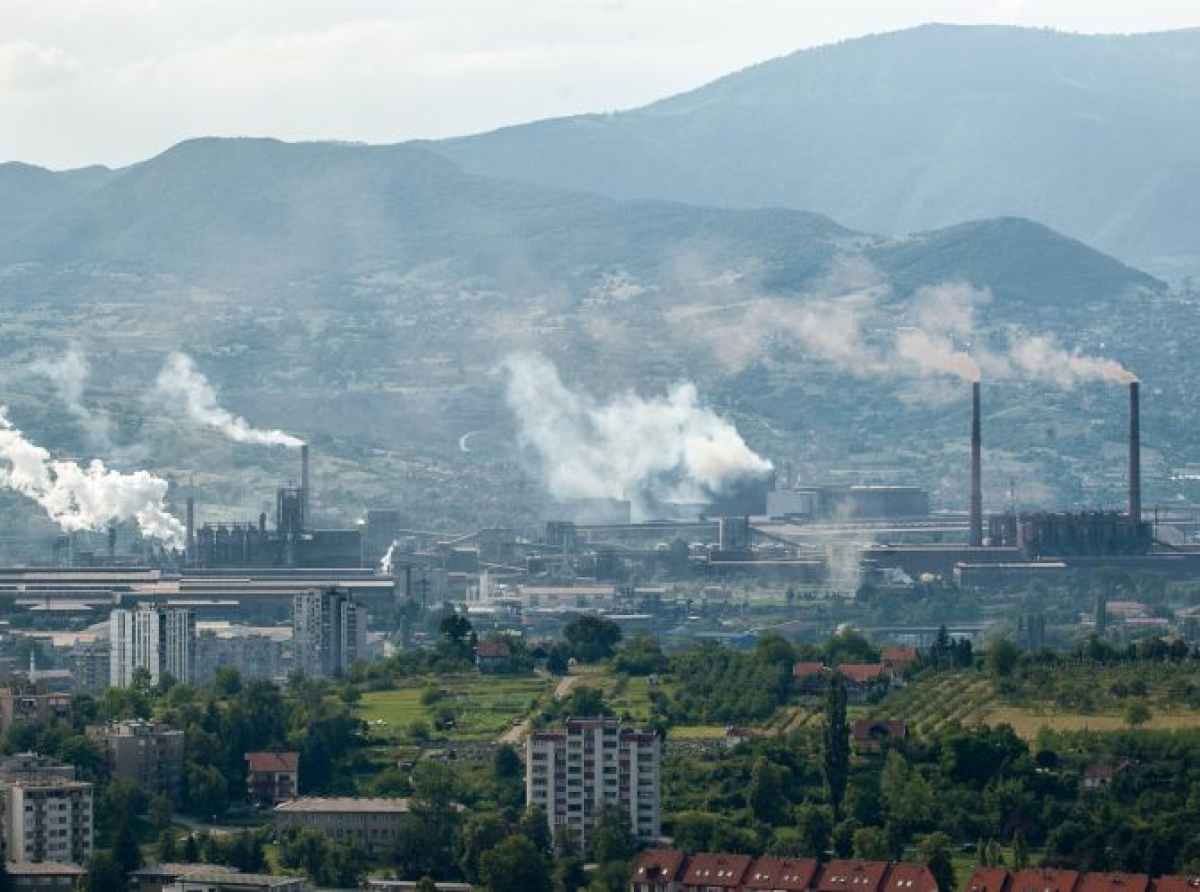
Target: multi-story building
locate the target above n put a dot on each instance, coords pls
(329, 632)
(253, 655)
(25, 702)
(45, 813)
(148, 753)
(161, 640)
(272, 778)
(90, 670)
(572, 771)
(371, 823)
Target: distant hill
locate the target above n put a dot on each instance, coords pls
(363, 297)
(1094, 136)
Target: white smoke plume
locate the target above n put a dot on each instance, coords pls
(1042, 356)
(180, 379)
(90, 498)
(69, 373)
(667, 448)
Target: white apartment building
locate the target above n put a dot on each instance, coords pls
(152, 637)
(329, 632)
(45, 813)
(571, 771)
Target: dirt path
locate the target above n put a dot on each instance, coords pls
(514, 735)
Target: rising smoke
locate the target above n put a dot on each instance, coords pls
(181, 380)
(90, 498)
(69, 373)
(661, 449)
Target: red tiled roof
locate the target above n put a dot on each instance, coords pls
(808, 670)
(1177, 883)
(910, 878)
(716, 870)
(781, 874)
(886, 729)
(1113, 882)
(1036, 880)
(898, 654)
(861, 672)
(658, 866)
(989, 879)
(273, 762)
(492, 650)
(852, 875)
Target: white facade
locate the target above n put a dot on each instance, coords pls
(158, 639)
(46, 813)
(329, 632)
(570, 772)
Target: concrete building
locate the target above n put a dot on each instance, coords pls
(373, 823)
(48, 876)
(252, 654)
(148, 753)
(45, 813)
(90, 669)
(571, 771)
(31, 703)
(155, 638)
(272, 778)
(329, 631)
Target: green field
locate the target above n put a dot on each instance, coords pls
(482, 706)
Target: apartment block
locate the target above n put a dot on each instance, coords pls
(148, 753)
(45, 813)
(329, 632)
(161, 640)
(572, 771)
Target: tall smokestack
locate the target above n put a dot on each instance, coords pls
(304, 518)
(190, 545)
(1135, 454)
(976, 533)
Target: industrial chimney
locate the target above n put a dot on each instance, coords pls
(305, 522)
(1135, 455)
(190, 546)
(976, 532)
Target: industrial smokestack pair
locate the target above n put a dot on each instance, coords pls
(1135, 462)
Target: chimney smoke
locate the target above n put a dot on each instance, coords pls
(1135, 454)
(976, 531)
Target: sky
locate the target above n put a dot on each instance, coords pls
(117, 81)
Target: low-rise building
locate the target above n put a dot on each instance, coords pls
(148, 753)
(871, 736)
(373, 823)
(32, 703)
(157, 877)
(47, 876)
(45, 813)
(492, 656)
(272, 778)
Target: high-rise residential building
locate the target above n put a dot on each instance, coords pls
(152, 637)
(45, 813)
(148, 753)
(329, 632)
(571, 771)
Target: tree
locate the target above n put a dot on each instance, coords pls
(612, 835)
(935, 852)
(1138, 714)
(126, 851)
(167, 849)
(569, 875)
(191, 849)
(514, 865)
(6, 881)
(426, 884)
(1002, 658)
(871, 844)
(480, 834)
(506, 764)
(535, 827)
(208, 791)
(592, 638)
(103, 874)
(765, 793)
(836, 744)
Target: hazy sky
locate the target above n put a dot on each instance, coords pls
(115, 81)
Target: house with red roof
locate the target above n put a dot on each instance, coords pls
(910, 878)
(897, 658)
(864, 678)
(712, 872)
(272, 778)
(781, 874)
(1113, 882)
(852, 875)
(492, 656)
(1177, 883)
(989, 879)
(658, 870)
(1044, 880)
(810, 677)
(870, 736)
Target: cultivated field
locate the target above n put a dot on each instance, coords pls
(478, 707)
